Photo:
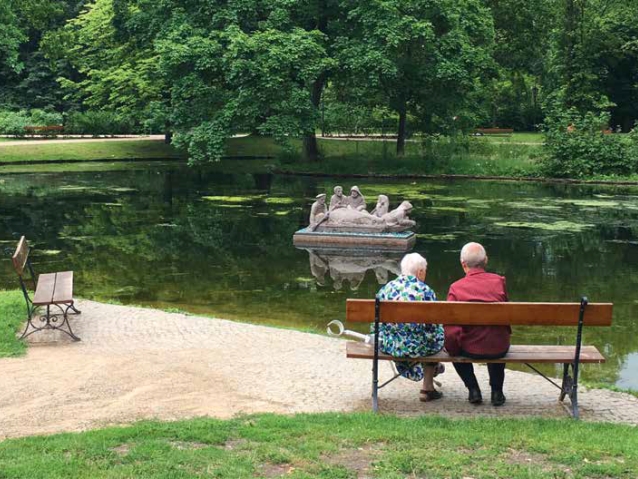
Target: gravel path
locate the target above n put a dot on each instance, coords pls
(135, 363)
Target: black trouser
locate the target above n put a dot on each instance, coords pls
(495, 370)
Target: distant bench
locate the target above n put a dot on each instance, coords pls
(487, 314)
(52, 289)
(50, 130)
(493, 131)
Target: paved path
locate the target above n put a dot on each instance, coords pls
(38, 142)
(135, 363)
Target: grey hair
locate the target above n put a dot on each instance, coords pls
(412, 263)
(474, 255)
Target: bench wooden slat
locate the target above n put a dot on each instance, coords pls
(474, 313)
(20, 256)
(44, 289)
(517, 354)
(63, 288)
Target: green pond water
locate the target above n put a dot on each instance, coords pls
(168, 236)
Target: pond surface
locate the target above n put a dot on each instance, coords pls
(165, 235)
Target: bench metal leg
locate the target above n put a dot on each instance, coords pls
(30, 312)
(375, 361)
(51, 321)
(569, 388)
(74, 309)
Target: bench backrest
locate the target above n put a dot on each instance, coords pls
(21, 256)
(474, 313)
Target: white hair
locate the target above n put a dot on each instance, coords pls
(474, 255)
(412, 263)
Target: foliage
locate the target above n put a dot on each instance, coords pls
(331, 446)
(580, 145)
(592, 62)
(14, 122)
(253, 77)
(424, 58)
(116, 72)
(10, 35)
(13, 313)
(97, 123)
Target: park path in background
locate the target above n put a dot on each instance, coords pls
(135, 363)
(42, 141)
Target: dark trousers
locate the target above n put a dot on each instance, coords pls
(495, 370)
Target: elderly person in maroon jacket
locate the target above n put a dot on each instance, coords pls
(479, 342)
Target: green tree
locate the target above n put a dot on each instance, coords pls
(116, 71)
(239, 67)
(425, 57)
(10, 35)
(30, 80)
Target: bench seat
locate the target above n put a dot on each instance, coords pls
(54, 288)
(517, 354)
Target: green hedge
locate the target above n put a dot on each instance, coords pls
(581, 146)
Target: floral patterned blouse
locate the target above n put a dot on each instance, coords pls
(409, 340)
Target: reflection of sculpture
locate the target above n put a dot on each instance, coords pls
(383, 205)
(356, 200)
(338, 200)
(351, 269)
(318, 209)
(318, 268)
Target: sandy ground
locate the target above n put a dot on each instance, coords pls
(135, 363)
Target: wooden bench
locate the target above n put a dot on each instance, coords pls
(487, 314)
(493, 131)
(51, 290)
(49, 130)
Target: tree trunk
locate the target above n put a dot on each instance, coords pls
(401, 132)
(168, 137)
(311, 148)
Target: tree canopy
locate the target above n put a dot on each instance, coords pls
(209, 69)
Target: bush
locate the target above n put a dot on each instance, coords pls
(97, 123)
(579, 146)
(13, 123)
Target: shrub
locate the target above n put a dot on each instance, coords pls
(580, 146)
(97, 123)
(44, 118)
(13, 123)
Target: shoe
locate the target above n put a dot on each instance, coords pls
(498, 398)
(427, 396)
(475, 397)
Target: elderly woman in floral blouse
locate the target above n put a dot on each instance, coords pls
(410, 340)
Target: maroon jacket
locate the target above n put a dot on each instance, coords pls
(478, 340)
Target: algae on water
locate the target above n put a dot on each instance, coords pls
(279, 201)
(565, 226)
(233, 199)
(437, 237)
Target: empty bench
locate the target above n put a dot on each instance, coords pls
(51, 291)
(494, 131)
(577, 315)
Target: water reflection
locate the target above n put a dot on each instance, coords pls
(349, 268)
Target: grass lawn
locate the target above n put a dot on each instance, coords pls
(95, 150)
(331, 446)
(13, 312)
(469, 156)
